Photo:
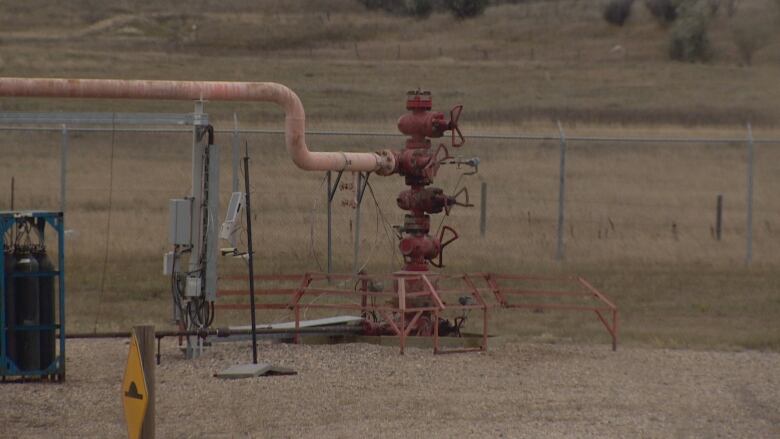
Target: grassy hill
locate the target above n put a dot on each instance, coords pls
(521, 63)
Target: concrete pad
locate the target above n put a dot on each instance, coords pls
(253, 370)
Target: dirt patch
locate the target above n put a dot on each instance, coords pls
(358, 390)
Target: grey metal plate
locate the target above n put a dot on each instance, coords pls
(253, 370)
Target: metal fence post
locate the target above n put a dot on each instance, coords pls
(719, 217)
(483, 210)
(236, 146)
(749, 232)
(145, 336)
(250, 250)
(330, 224)
(331, 192)
(561, 193)
(63, 166)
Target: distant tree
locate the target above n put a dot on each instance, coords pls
(421, 8)
(752, 29)
(371, 4)
(466, 8)
(731, 7)
(618, 11)
(749, 40)
(689, 40)
(417, 8)
(665, 11)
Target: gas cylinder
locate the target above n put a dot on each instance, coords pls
(27, 311)
(46, 306)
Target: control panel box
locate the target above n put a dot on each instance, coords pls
(180, 219)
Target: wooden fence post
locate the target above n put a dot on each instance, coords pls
(145, 336)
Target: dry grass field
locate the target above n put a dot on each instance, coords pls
(639, 215)
(519, 63)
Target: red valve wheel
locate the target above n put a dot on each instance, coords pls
(444, 243)
(454, 116)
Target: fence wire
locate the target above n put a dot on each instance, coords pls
(627, 200)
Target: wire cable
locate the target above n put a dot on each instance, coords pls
(374, 245)
(314, 207)
(388, 227)
(108, 222)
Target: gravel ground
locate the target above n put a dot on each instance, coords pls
(359, 390)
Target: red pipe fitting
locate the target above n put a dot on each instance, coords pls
(418, 164)
(427, 200)
(421, 124)
(424, 246)
(412, 161)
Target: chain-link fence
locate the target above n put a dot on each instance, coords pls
(625, 201)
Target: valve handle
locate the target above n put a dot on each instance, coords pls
(443, 243)
(446, 154)
(454, 116)
(453, 201)
(465, 203)
(435, 162)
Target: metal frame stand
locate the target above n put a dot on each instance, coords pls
(395, 304)
(205, 211)
(56, 369)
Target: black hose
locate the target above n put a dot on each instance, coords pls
(210, 130)
(222, 332)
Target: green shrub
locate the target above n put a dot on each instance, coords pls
(618, 11)
(753, 29)
(466, 8)
(749, 40)
(665, 11)
(416, 8)
(421, 8)
(372, 4)
(688, 39)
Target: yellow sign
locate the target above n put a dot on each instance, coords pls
(134, 393)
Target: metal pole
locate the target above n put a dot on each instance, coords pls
(330, 225)
(61, 287)
(749, 234)
(251, 256)
(145, 336)
(483, 210)
(719, 217)
(198, 240)
(356, 251)
(63, 166)
(332, 187)
(236, 148)
(561, 193)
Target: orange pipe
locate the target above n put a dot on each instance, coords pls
(214, 91)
